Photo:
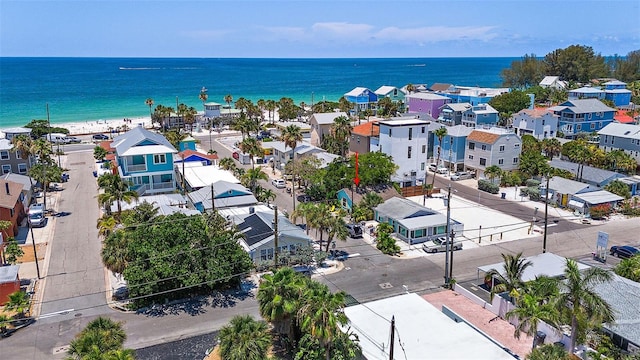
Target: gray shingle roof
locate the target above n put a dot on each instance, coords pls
(327, 118)
(622, 295)
(401, 208)
(567, 186)
(583, 106)
(589, 174)
(137, 135)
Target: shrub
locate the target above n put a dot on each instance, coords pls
(532, 183)
(600, 211)
(534, 193)
(488, 186)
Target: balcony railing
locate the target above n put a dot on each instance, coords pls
(164, 185)
(136, 168)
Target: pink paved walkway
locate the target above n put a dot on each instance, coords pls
(499, 329)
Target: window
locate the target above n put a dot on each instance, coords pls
(421, 166)
(472, 146)
(500, 161)
(578, 127)
(6, 169)
(484, 147)
(409, 152)
(422, 130)
(424, 148)
(516, 146)
(389, 131)
(4, 155)
(501, 149)
(22, 168)
(515, 160)
(592, 126)
(159, 159)
(470, 157)
(483, 161)
(410, 133)
(18, 155)
(358, 139)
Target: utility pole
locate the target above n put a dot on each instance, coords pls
(446, 248)
(275, 235)
(33, 242)
(213, 199)
(546, 207)
(393, 331)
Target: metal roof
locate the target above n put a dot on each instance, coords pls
(458, 106)
(357, 91)
(622, 294)
(401, 208)
(136, 136)
(568, 186)
(547, 264)
(629, 131)
(327, 118)
(385, 89)
(425, 221)
(589, 174)
(9, 273)
(587, 90)
(201, 176)
(598, 197)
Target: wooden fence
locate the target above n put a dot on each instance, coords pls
(417, 190)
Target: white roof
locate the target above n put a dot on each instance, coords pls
(148, 149)
(385, 89)
(327, 118)
(484, 109)
(547, 264)
(615, 82)
(458, 106)
(5, 144)
(201, 176)
(549, 80)
(155, 200)
(22, 179)
(427, 96)
(423, 331)
(403, 122)
(598, 197)
(621, 130)
(357, 91)
(587, 90)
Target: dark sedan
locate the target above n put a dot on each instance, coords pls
(624, 252)
(100, 137)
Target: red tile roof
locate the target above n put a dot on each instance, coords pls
(187, 153)
(107, 146)
(367, 129)
(623, 118)
(536, 112)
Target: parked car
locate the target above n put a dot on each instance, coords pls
(355, 230)
(303, 198)
(73, 140)
(438, 169)
(279, 183)
(339, 255)
(36, 215)
(624, 252)
(440, 244)
(462, 175)
(100, 137)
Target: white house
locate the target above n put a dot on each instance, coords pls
(553, 82)
(539, 123)
(495, 146)
(405, 140)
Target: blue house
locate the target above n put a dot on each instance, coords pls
(617, 92)
(587, 115)
(362, 99)
(473, 95)
(188, 143)
(347, 197)
(451, 113)
(453, 146)
(479, 115)
(196, 156)
(145, 159)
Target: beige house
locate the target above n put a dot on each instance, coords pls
(321, 125)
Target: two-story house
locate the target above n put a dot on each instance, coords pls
(625, 137)
(362, 98)
(282, 154)
(451, 113)
(145, 159)
(11, 206)
(396, 95)
(553, 82)
(480, 115)
(10, 133)
(362, 135)
(405, 140)
(617, 92)
(586, 92)
(212, 110)
(453, 146)
(321, 126)
(587, 115)
(495, 146)
(425, 103)
(12, 161)
(538, 122)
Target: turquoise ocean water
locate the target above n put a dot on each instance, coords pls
(82, 89)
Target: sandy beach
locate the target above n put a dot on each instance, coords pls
(104, 126)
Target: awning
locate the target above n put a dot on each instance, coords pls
(575, 204)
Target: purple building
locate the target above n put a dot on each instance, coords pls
(426, 103)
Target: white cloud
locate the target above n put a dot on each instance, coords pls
(436, 33)
(341, 29)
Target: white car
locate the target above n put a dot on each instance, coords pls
(279, 183)
(438, 169)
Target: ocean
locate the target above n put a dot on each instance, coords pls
(88, 89)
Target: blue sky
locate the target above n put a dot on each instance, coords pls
(314, 28)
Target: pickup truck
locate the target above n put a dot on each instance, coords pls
(440, 244)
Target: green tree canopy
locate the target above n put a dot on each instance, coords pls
(509, 103)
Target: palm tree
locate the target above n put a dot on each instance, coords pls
(115, 189)
(25, 146)
(307, 211)
(530, 311)
(336, 229)
(291, 136)
(252, 147)
(203, 97)
(252, 176)
(440, 134)
(227, 164)
(411, 88)
(18, 302)
(493, 172)
(549, 352)
(322, 314)
(270, 105)
(511, 281)
(121, 354)
(101, 336)
(228, 99)
(619, 188)
(279, 296)
(114, 252)
(578, 304)
(551, 147)
(244, 339)
(265, 195)
(149, 103)
(105, 225)
(341, 130)
(45, 173)
(4, 320)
